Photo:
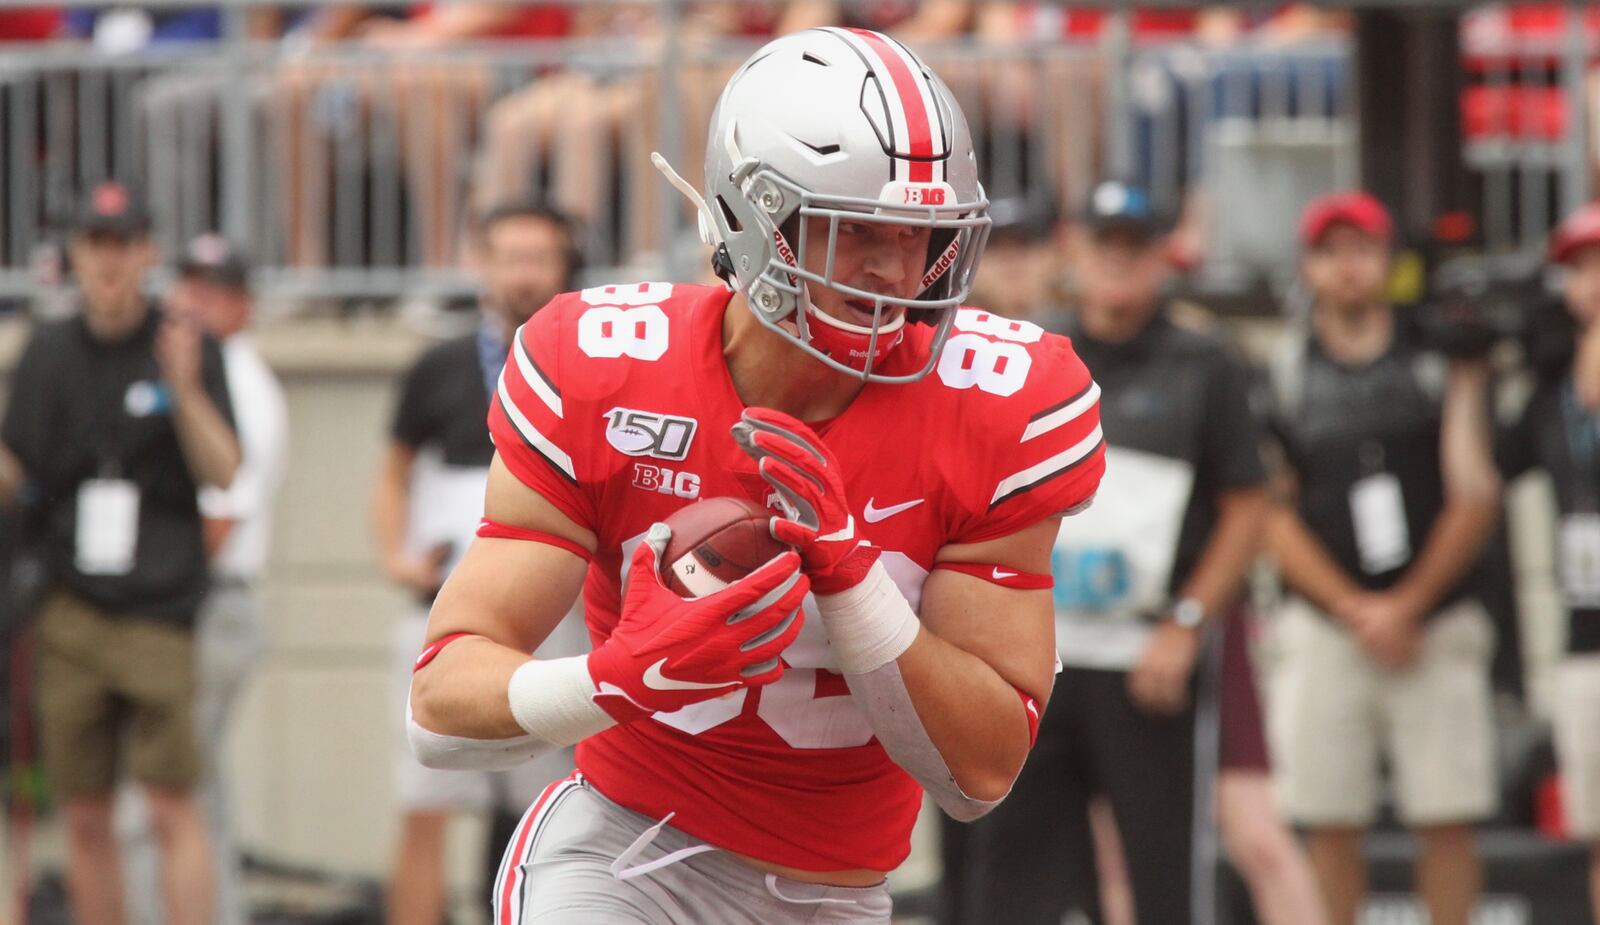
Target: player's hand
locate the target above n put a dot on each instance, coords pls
(1159, 683)
(806, 475)
(667, 652)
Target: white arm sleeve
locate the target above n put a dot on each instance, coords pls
(869, 627)
(882, 695)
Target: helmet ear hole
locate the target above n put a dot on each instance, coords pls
(728, 216)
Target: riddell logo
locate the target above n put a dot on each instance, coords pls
(945, 261)
(786, 253)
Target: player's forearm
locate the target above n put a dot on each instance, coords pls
(209, 445)
(1305, 564)
(462, 692)
(1453, 545)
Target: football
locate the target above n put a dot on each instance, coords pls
(714, 542)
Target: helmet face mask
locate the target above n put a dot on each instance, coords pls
(817, 129)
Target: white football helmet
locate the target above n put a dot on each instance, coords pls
(843, 124)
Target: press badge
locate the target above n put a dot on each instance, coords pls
(1379, 513)
(108, 526)
(1580, 560)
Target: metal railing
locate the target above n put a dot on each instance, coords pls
(349, 173)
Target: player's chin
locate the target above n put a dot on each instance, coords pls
(861, 312)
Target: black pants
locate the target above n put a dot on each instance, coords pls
(1032, 859)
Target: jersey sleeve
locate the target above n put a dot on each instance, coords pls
(1231, 440)
(532, 426)
(1042, 452)
(410, 424)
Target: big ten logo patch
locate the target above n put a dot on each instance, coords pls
(666, 481)
(645, 433)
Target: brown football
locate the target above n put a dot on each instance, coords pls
(714, 542)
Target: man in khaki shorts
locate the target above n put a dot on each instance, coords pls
(116, 418)
(1380, 653)
(1557, 432)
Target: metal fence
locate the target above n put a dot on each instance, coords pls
(349, 173)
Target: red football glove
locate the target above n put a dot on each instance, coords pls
(667, 652)
(805, 473)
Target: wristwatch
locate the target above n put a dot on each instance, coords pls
(1187, 613)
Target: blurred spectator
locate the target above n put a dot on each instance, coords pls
(121, 28)
(1021, 271)
(1559, 431)
(116, 418)
(30, 24)
(213, 291)
(413, 104)
(1141, 577)
(1381, 652)
(427, 501)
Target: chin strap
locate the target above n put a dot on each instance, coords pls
(707, 226)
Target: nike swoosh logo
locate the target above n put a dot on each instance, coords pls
(655, 680)
(874, 514)
(1002, 576)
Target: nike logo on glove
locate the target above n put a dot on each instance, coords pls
(655, 680)
(874, 514)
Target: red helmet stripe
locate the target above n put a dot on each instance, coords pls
(918, 129)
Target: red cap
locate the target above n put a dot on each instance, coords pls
(1360, 210)
(1581, 228)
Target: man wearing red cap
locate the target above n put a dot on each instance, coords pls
(1559, 431)
(1382, 652)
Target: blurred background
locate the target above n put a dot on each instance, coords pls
(345, 149)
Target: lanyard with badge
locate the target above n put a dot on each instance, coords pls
(1580, 527)
(106, 535)
(1378, 513)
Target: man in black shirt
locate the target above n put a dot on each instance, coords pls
(116, 418)
(1559, 431)
(1380, 650)
(1139, 578)
(427, 501)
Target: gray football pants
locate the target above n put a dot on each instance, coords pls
(577, 857)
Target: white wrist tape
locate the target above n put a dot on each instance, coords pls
(869, 625)
(553, 699)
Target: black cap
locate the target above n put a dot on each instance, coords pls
(212, 258)
(1028, 218)
(112, 208)
(1117, 206)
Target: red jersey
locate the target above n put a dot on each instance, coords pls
(616, 405)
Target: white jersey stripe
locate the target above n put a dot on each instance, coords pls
(1052, 466)
(533, 377)
(1063, 415)
(531, 434)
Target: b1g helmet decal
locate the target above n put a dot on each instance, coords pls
(844, 125)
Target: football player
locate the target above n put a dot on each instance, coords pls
(759, 753)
